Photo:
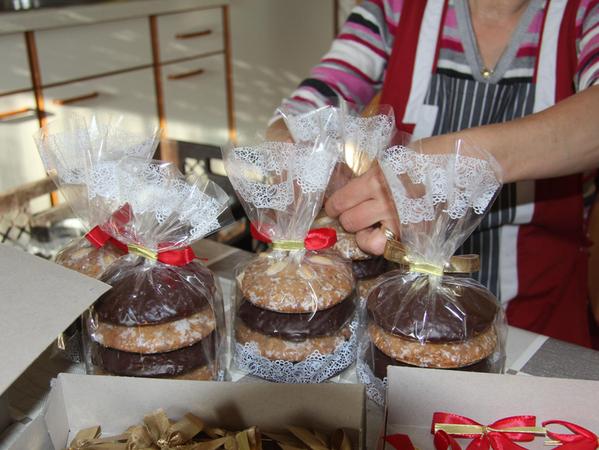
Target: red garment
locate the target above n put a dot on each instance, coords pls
(552, 257)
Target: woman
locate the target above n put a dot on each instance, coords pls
(519, 78)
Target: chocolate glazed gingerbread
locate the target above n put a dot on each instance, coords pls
(172, 363)
(155, 293)
(465, 311)
(378, 363)
(299, 326)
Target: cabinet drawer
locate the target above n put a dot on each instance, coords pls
(130, 94)
(19, 160)
(15, 74)
(190, 33)
(196, 102)
(81, 51)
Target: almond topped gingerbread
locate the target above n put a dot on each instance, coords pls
(296, 308)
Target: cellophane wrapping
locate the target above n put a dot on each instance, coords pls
(295, 315)
(76, 151)
(360, 135)
(421, 315)
(162, 317)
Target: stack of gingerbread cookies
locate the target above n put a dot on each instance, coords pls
(163, 316)
(295, 313)
(166, 328)
(295, 317)
(428, 312)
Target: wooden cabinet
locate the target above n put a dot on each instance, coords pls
(166, 69)
(15, 65)
(195, 100)
(83, 51)
(131, 94)
(19, 159)
(190, 34)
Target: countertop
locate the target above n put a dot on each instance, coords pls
(71, 15)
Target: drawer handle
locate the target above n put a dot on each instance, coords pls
(15, 112)
(79, 98)
(180, 76)
(194, 34)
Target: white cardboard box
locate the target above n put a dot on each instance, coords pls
(38, 300)
(415, 394)
(115, 403)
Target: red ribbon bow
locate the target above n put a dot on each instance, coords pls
(317, 238)
(444, 441)
(492, 435)
(580, 439)
(174, 257)
(178, 257)
(400, 441)
(99, 238)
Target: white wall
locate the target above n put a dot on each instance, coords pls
(275, 43)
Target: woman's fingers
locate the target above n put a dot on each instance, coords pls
(358, 190)
(371, 240)
(365, 215)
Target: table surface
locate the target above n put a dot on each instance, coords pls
(527, 354)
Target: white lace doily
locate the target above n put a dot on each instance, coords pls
(462, 183)
(366, 135)
(265, 176)
(314, 369)
(376, 389)
(308, 126)
(370, 134)
(158, 191)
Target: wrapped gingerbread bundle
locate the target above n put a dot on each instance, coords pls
(360, 137)
(295, 317)
(428, 313)
(163, 316)
(78, 153)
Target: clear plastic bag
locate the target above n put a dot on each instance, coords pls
(164, 315)
(295, 318)
(428, 313)
(360, 136)
(76, 151)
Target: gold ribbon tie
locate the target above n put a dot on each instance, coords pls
(289, 246)
(396, 252)
(142, 251)
(451, 428)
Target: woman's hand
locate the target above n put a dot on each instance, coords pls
(364, 206)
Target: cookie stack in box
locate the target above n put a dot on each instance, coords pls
(164, 314)
(428, 312)
(158, 325)
(295, 319)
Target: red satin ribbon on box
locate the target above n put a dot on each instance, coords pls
(400, 441)
(496, 436)
(317, 238)
(444, 441)
(99, 238)
(581, 439)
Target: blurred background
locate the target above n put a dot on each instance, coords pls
(205, 71)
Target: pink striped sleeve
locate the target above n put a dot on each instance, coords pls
(354, 66)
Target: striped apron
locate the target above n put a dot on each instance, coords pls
(532, 244)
